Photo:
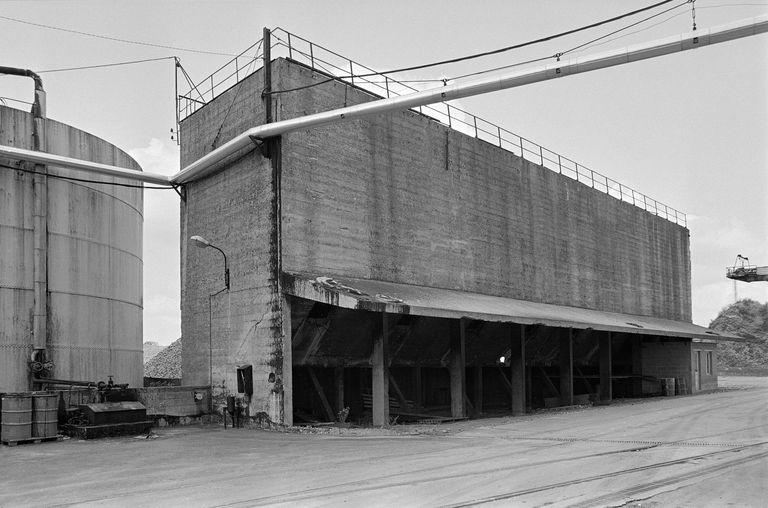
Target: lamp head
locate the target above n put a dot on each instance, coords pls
(200, 241)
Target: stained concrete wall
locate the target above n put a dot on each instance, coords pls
(232, 209)
(401, 198)
(94, 262)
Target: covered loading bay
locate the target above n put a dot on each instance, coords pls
(396, 352)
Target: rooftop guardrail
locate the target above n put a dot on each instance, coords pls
(306, 52)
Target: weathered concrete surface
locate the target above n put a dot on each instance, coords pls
(705, 450)
(401, 198)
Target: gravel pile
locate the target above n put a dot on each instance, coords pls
(151, 348)
(165, 364)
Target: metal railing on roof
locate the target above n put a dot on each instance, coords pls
(306, 52)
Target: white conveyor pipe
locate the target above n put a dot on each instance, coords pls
(704, 37)
(88, 166)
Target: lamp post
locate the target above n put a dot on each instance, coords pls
(201, 242)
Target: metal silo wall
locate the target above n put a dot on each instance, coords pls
(94, 262)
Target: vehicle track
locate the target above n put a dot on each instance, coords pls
(632, 490)
(360, 486)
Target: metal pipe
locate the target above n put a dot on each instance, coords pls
(243, 142)
(38, 106)
(39, 330)
(92, 167)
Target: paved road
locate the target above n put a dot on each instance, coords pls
(704, 450)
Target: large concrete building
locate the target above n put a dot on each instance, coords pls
(396, 264)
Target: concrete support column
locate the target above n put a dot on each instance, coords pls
(418, 387)
(380, 372)
(566, 367)
(477, 400)
(606, 368)
(637, 365)
(286, 376)
(457, 368)
(517, 367)
(338, 378)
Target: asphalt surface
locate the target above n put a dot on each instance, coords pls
(703, 450)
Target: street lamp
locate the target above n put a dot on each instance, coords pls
(203, 244)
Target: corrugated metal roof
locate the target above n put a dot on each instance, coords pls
(380, 296)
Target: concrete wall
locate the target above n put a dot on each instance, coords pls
(665, 358)
(400, 198)
(174, 400)
(234, 211)
(93, 267)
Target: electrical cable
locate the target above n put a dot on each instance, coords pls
(85, 180)
(237, 92)
(16, 100)
(115, 64)
(115, 39)
(575, 48)
(644, 29)
(486, 53)
(524, 44)
(192, 85)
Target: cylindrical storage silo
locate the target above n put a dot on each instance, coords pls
(91, 251)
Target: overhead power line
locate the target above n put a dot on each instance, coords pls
(114, 39)
(523, 44)
(113, 64)
(492, 52)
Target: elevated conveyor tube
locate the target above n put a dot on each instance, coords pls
(213, 160)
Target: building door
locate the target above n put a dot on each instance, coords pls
(697, 371)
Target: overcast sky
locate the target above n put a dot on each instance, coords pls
(688, 130)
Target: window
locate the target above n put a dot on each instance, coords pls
(709, 362)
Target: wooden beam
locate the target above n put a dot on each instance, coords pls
(319, 389)
(506, 383)
(338, 378)
(478, 395)
(566, 367)
(317, 332)
(517, 368)
(404, 338)
(457, 367)
(417, 382)
(404, 403)
(637, 365)
(606, 368)
(548, 382)
(379, 370)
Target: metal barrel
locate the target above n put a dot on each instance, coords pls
(16, 417)
(45, 417)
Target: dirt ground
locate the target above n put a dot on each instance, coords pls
(703, 450)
